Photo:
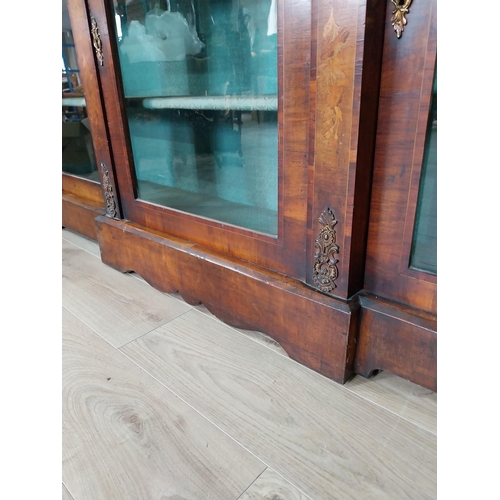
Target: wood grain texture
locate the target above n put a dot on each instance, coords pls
(132, 307)
(66, 494)
(410, 401)
(271, 486)
(397, 339)
(78, 214)
(260, 337)
(80, 241)
(333, 443)
(83, 188)
(127, 437)
(264, 340)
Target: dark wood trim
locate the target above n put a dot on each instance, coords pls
(87, 65)
(397, 339)
(347, 43)
(78, 214)
(416, 170)
(316, 330)
(366, 100)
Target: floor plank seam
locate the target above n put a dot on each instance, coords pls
(208, 314)
(284, 479)
(67, 489)
(196, 410)
(248, 337)
(177, 416)
(146, 333)
(152, 330)
(391, 411)
(345, 387)
(251, 484)
(214, 318)
(268, 465)
(80, 247)
(169, 389)
(88, 326)
(113, 346)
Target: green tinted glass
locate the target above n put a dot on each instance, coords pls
(200, 84)
(424, 248)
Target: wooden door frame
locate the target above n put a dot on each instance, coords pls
(284, 253)
(84, 200)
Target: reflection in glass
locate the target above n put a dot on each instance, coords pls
(424, 249)
(78, 156)
(200, 84)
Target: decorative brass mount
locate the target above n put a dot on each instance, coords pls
(399, 15)
(109, 195)
(325, 271)
(96, 40)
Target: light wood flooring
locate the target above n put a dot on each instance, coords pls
(163, 401)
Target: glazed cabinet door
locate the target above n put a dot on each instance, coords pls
(78, 151)
(208, 110)
(86, 157)
(402, 241)
(398, 324)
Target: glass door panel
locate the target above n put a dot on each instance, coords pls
(200, 85)
(424, 247)
(78, 156)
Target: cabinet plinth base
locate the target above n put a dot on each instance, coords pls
(397, 339)
(315, 330)
(78, 214)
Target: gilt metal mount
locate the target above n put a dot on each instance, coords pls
(402, 7)
(109, 194)
(96, 40)
(325, 270)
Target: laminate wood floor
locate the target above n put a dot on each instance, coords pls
(161, 400)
